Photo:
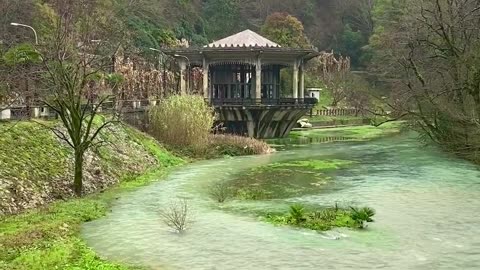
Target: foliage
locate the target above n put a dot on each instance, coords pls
(222, 18)
(49, 237)
(220, 191)
(297, 213)
(362, 215)
(429, 51)
(176, 215)
(286, 30)
(182, 121)
(351, 43)
(22, 54)
(323, 219)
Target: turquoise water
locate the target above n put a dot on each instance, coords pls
(427, 217)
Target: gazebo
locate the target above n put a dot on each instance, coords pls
(241, 79)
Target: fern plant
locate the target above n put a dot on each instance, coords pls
(297, 213)
(362, 215)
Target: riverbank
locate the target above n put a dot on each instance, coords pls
(36, 176)
(36, 186)
(336, 134)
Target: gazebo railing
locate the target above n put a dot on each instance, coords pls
(263, 101)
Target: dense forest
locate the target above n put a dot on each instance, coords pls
(422, 55)
(343, 25)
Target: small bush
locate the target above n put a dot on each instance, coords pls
(220, 192)
(182, 121)
(176, 215)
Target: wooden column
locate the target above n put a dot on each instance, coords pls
(301, 95)
(206, 70)
(183, 74)
(258, 80)
(295, 80)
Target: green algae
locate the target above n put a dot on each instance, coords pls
(286, 179)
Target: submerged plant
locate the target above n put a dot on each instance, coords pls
(176, 215)
(220, 191)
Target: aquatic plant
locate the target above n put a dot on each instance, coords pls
(323, 219)
(362, 215)
(220, 191)
(286, 179)
(176, 215)
(297, 213)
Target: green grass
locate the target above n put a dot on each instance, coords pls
(340, 119)
(358, 133)
(48, 237)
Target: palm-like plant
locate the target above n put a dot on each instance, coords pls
(362, 215)
(297, 213)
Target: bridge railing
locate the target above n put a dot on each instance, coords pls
(263, 101)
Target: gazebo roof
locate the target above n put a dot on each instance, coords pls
(245, 39)
(244, 47)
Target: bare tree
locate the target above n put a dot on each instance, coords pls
(176, 215)
(77, 54)
(437, 64)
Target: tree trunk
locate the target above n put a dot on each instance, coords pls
(78, 177)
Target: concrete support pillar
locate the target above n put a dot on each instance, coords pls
(295, 80)
(301, 95)
(258, 80)
(206, 90)
(251, 128)
(183, 77)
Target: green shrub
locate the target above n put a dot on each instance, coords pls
(362, 215)
(323, 219)
(297, 212)
(182, 121)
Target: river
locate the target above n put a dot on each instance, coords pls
(427, 205)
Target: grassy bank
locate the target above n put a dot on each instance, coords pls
(325, 135)
(358, 133)
(48, 237)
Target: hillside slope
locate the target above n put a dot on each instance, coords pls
(36, 168)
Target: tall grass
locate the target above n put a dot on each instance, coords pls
(182, 121)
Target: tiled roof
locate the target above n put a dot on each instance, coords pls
(246, 38)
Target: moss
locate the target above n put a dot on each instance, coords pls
(286, 179)
(48, 237)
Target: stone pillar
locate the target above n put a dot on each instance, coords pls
(301, 95)
(295, 80)
(258, 80)
(206, 90)
(183, 74)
